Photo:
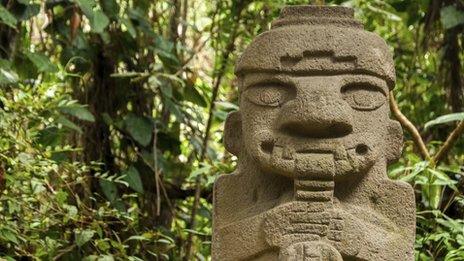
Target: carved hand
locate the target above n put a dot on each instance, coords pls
(309, 251)
(344, 232)
(296, 221)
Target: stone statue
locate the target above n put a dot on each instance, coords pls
(313, 139)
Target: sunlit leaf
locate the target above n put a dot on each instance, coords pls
(459, 116)
(126, 74)
(99, 21)
(129, 26)
(193, 95)
(228, 106)
(41, 62)
(86, 7)
(68, 124)
(7, 18)
(78, 111)
(388, 14)
(200, 171)
(138, 238)
(442, 178)
(83, 237)
(451, 17)
(9, 236)
(435, 195)
(106, 258)
(8, 76)
(418, 168)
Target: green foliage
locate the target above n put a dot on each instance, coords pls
(132, 176)
(445, 119)
(106, 106)
(41, 62)
(140, 128)
(7, 18)
(451, 17)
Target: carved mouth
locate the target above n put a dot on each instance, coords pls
(316, 158)
(316, 151)
(315, 147)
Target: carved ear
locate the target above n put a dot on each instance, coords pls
(394, 142)
(233, 133)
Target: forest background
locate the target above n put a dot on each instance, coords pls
(112, 112)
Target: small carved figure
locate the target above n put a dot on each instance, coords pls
(313, 139)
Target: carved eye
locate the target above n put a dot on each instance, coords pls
(363, 96)
(272, 95)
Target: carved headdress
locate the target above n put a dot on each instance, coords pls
(300, 42)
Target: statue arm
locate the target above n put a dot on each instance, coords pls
(238, 231)
(240, 240)
(386, 231)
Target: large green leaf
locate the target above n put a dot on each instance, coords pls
(440, 178)
(417, 169)
(25, 12)
(132, 176)
(8, 235)
(129, 26)
(110, 7)
(109, 189)
(205, 168)
(459, 116)
(435, 195)
(78, 111)
(86, 7)
(7, 76)
(193, 95)
(451, 17)
(140, 128)
(98, 20)
(41, 62)
(7, 18)
(68, 124)
(50, 136)
(83, 237)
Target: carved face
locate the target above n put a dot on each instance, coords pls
(331, 125)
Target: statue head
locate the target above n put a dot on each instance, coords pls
(314, 97)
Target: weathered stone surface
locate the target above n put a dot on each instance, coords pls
(313, 138)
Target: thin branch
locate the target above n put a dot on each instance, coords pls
(188, 60)
(165, 193)
(410, 127)
(64, 252)
(220, 74)
(157, 177)
(450, 141)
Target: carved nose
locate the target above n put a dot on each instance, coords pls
(320, 118)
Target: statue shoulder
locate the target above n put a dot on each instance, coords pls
(395, 199)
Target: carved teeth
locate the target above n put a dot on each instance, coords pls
(278, 151)
(314, 195)
(287, 153)
(315, 165)
(323, 217)
(340, 153)
(314, 185)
